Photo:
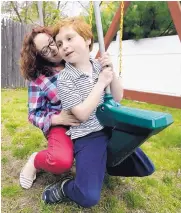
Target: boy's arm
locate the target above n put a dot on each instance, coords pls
(116, 88)
(83, 110)
(72, 100)
(116, 84)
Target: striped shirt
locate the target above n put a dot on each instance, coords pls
(74, 86)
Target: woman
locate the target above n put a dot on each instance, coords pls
(40, 64)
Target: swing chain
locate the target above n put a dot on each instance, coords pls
(90, 13)
(121, 33)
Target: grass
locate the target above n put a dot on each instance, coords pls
(134, 200)
(11, 191)
(159, 193)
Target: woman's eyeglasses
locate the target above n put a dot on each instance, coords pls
(47, 49)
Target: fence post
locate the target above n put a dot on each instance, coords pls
(12, 35)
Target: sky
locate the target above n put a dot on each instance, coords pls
(74, 8)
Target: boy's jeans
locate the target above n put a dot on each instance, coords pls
(91, 155)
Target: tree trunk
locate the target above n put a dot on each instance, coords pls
(40, 11)
(16, 11)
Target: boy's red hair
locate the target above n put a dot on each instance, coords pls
(79, 25)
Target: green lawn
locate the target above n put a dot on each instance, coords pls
(159, 193)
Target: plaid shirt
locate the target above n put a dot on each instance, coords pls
(43, 101)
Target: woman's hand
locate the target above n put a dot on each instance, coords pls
(65, 118)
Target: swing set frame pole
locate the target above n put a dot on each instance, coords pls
(99, 27)
(114, 26)
(100, 34)
(175, 12)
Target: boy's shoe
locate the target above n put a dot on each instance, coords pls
(28, 173)
(54, 192)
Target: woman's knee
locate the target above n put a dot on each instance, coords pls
(59, 164)
(65, 164)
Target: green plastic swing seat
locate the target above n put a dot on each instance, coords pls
(130, 127)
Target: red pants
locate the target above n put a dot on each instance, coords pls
(58, 158)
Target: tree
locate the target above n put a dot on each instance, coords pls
(107, 13)
(51, 13)
(11, 9)
(40, 12)
(28, 12)
(142, 19)
(14, 5)
(148, 19)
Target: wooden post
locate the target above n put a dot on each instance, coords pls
(175, 12)
(114, 26)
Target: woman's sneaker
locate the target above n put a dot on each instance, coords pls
(54, 193)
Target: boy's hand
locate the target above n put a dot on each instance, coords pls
(105, 60)
(106, 76)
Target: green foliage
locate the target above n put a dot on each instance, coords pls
(50, 13)
(147, 19)
(107, 14)
(28, 12)
(142, 19)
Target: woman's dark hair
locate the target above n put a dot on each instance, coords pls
(32, 64)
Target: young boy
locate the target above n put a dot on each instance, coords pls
(81, 89)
